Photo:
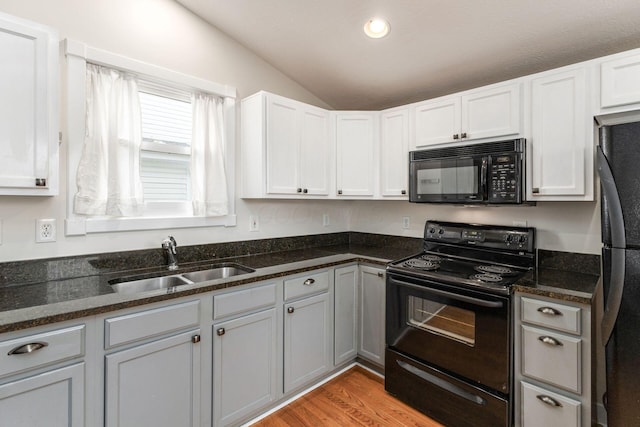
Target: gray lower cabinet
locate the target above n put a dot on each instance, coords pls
(372, 314)
(42, 378)
(308, 339)
(245, 358)
(553, 376)
(345, 314)
(154, 384)
(152, 368)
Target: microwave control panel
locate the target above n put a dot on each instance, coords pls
(504, 182)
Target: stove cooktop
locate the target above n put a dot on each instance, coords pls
(478, 256)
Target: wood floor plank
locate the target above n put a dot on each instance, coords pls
(354, 398)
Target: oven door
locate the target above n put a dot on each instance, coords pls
(460, 331)
(449, 180)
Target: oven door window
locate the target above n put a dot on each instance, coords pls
(449, 179)
(451, 322)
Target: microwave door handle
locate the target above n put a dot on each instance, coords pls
(483, 179)
(618, 242)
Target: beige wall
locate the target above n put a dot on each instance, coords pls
(162, 32)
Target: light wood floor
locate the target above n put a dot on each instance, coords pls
(354, 398)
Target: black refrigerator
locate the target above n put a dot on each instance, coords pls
(618, 163)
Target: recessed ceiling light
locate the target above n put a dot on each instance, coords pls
(376, 28)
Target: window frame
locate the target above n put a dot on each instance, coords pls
(77, 56)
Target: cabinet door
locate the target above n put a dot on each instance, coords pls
(244, 366)
(437, 121)
(50, 399)
(394, 153)
(308, 335)
(314, 152)
(620, 82)
(28, 108)
(491, 112)
(345, 314)
(283, 140)
(561, 144)
(543, 408)
(356, 154)
(372, 314)
(155, 384)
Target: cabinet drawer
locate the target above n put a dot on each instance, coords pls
(243, 301)
(543, 408)
(306, 285)
(562, 317)
(43, 349)
(552, 358)
(144, 324)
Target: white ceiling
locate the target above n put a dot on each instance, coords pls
(435, 47)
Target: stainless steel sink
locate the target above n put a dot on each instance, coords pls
(150, 284)
(212, 272)
(221, 271)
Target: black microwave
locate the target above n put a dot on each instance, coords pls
(487, 173)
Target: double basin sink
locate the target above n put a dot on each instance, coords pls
(132, 285)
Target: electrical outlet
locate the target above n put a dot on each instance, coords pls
(45, 230)
(325, 220)
(254, 225)
(406, 222)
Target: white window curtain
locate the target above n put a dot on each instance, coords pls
(108, 175)
(208, 173)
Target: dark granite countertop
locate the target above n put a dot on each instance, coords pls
(42, 299)
(563, 276)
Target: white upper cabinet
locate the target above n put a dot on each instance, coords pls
(560, 160)
(357, 153)
(285, 148)
(394, 153)
(620, 81)
(483, 113)
(28, 108)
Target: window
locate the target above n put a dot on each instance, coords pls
(165, 152)
(185, 131)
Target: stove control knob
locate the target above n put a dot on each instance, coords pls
(432, 230)
(509, 238)
(522, 239)
(441, 231)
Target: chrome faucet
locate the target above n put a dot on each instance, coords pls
(169, 245)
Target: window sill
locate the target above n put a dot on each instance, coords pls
(81, 226)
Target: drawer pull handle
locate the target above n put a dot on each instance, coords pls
(549, 400)
(550, 340)
(195, 339)
(28, 348)
(220, 332)
(380, 274)
(550, 311)
(309, 282)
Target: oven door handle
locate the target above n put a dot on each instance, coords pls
(458, 297)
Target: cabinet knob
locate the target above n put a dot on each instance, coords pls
(463, 135)
(299, 190)
(380, 274)
(305, 191)
(339, 191)
(456, 136)
(549, 311)
(28, 348)
(403, 192)
(550, 340)
(290, 310)
(195, 339)
(535, 190)
(220, 332)
(41, 182)
(548, 400)
(309, 282)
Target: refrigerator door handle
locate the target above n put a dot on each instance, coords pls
(618, 242)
